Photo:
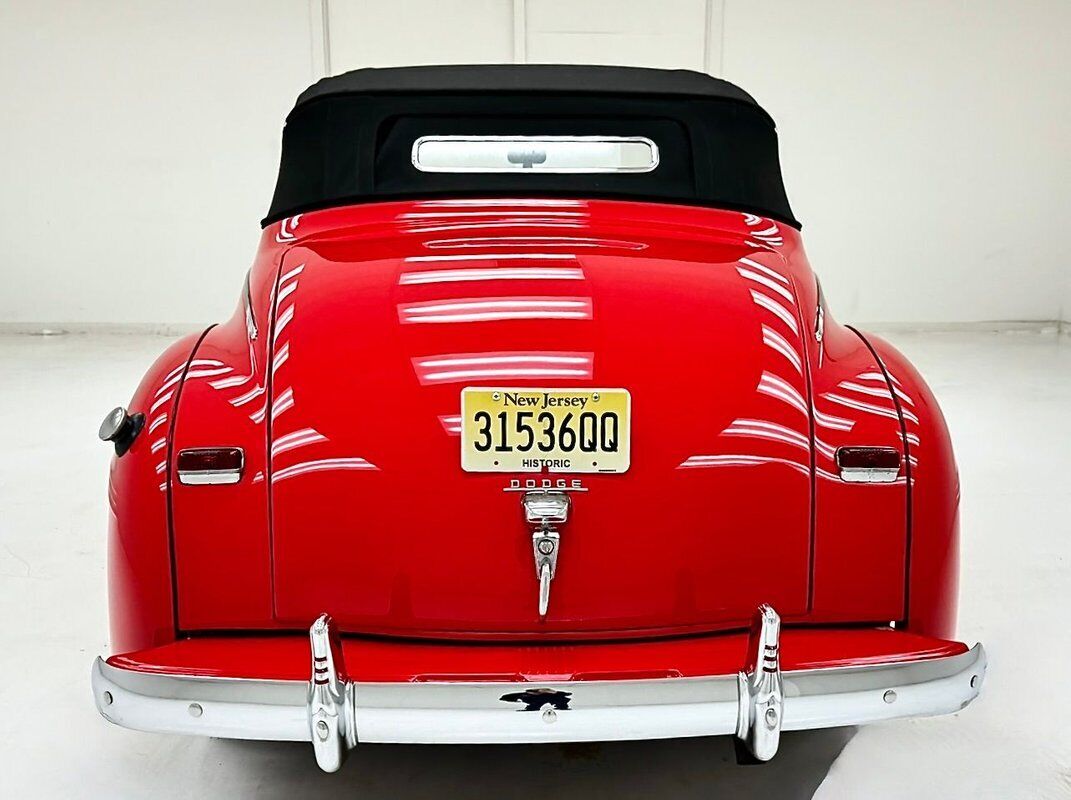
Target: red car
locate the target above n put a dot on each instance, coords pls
(531, 425)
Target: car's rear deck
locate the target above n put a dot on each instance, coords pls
(383, 660)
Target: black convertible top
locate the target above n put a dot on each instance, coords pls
(543, 78)
(349, 138)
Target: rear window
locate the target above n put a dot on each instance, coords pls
(532, 154)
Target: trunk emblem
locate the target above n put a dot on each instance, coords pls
(545, 484)
(545, 508)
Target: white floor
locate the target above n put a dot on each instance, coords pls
(1007, 398)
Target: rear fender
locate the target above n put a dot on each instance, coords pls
(139, 547)
(933, 547)
(860, 529)
(222, 533)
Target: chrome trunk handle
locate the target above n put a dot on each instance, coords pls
(545, 508)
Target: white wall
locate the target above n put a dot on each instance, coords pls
(394, 33)
(139, 147)
(925, 144)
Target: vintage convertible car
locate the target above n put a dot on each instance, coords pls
(531, 426)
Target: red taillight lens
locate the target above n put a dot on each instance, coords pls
(211, 465)
(868, 464)
(868, 458)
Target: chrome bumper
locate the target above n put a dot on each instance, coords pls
(334, 714)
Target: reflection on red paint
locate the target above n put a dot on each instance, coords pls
(488, 309)
(503, 366)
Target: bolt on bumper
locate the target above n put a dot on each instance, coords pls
(334, 713)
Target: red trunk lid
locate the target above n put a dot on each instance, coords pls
(373, 518)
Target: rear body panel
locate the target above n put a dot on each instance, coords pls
(417, 545)
(372, 319)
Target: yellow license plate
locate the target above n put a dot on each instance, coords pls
(532, 430)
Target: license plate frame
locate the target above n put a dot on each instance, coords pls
(588, 413)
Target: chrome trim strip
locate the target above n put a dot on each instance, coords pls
(820, 314)
(820, 320)
(457, 713)
(210, 477)
(250, 320)
(869, 474)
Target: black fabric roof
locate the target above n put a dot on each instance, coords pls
(524, 78)
(349, 137)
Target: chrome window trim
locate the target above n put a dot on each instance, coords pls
(530, 141)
